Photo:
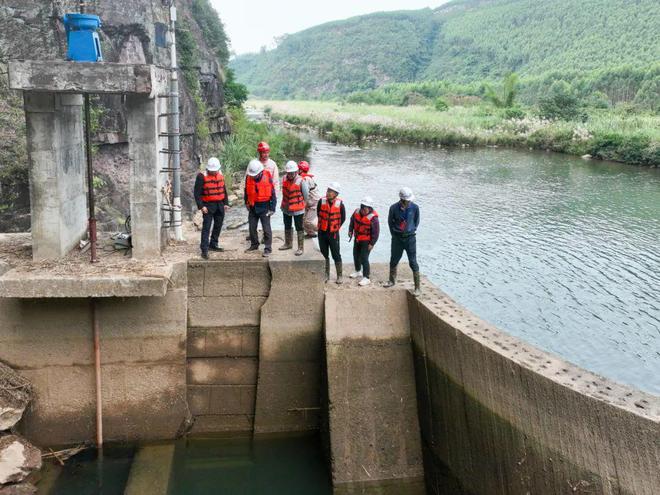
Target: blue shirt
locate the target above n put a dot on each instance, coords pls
(403, 220)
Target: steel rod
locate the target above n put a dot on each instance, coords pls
(97, 372)
(90, 181)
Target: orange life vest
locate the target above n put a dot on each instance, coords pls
(330, 215)
(292, 196)
(362, 225)
(213, 190)
(259, 191)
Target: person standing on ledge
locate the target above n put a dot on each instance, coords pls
(264, 157)
(260, 200)
(332, 216)
(313, 196)
(366, 228)
(294, 196)
(403, 221)
(211, 198)
(263, 151)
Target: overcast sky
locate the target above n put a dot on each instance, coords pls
(252, 24)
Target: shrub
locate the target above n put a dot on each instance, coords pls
(441, 105)
(514, 113)
(561, 102)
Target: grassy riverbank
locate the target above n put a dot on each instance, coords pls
(610, 134)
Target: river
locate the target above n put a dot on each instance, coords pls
(561, 252)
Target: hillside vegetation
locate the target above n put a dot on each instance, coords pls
(467, 42)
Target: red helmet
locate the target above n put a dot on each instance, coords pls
(303, 167)
(262, 147)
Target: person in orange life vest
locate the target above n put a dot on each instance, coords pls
(211, 198)
(263, 152)
(364, 226)
(260, 200)
(263, 149)
(313, 196)
(295, 193)
(332, 216)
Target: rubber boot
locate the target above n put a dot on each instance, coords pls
(340, 277)
(301, 243)
(327, 270)
(418, 285)
(288, 240)
(392, 281)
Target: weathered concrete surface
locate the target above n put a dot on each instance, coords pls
(150, 471)
(143, 343)
(15, 395)
(227, 293)
(18, 458)
(58, 76)
(501, 417)
(223, 342)
(291, 346)
(374, 431)
(18, 284)
(55, 146)
(74, 276)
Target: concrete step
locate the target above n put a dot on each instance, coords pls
(212, 342)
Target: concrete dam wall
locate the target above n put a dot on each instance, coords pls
(406, 390)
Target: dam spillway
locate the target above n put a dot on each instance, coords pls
(403, 390)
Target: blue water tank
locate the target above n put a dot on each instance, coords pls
(83, 44)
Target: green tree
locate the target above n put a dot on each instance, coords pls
(507, 96)
(561, 102)
(235, 93)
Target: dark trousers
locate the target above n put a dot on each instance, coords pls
(296, 219)
(361, 257)
(329, 244)
(253, 220)
(214, 217)
(409, 245)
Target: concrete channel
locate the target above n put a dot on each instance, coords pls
(412, 395)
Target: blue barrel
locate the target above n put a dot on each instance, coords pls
(83, 44)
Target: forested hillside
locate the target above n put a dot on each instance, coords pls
(344, 56)
(464, 41)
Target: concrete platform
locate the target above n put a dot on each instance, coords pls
(116, 275)
(75, 77)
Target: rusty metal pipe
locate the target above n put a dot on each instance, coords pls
(97, 372)
(90, 181)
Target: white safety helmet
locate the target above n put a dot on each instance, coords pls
(213, 165)
(334, 186)
(367, 201)
(290, 167)
(255, 167)
(406, 194)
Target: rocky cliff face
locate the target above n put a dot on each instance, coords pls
(134, 31)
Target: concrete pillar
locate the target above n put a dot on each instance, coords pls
(55, 142)
(145, 186)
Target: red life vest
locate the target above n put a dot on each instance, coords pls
(214, 188)
(362, 225)
(292, 196)
(259, 191)
(330, 215)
